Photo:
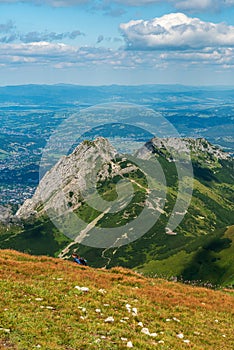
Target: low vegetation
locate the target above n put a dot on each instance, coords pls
(201, 249)
(49, 303)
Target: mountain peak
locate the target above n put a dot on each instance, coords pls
(67, 178)
(199, 148)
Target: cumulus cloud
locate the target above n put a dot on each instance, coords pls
(176, 31)
(55, 54)
(60, 56)
(220, 57)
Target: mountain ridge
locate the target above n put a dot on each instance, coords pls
(66, 169)
(202, 248)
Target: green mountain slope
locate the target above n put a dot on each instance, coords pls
(201, 249)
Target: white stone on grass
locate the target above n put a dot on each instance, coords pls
(102, 291)
(6, 330)
(128, 307)
(180, 335)
(153, 334)
(123, 321)
(82, 289)
(129, 344)
(145, 331)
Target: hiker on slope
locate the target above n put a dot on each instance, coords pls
(78, 259)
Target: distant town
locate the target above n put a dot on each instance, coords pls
(28, 118)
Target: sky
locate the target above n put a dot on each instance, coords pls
(127, 42)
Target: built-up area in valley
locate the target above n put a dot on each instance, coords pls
(29, 116)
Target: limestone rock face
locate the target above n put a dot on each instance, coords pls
(5, 214)
(64, 183)
(180, 147)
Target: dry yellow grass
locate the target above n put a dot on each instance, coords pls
(41, 307)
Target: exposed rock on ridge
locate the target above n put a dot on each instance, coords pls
(61, 188)
(179, 148)
(67, 179)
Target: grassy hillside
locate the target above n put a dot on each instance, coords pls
(202, 250)
(43, 307)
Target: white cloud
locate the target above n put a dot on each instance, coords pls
(66, 56)
(173, 39)
(189, 5)
(219, 57)
(58, 54)
(38, 52)
(176, 31)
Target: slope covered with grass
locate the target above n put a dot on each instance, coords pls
(201, 248)
(49, 303)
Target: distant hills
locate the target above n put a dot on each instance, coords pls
(73, 94)
(29, 115)
(200, 249)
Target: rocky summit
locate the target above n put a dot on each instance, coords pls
(68, 178)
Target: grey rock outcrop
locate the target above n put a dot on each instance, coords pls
(179, 148)
(5, 214)
(62, 186)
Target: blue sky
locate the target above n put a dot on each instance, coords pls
(106, 42)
